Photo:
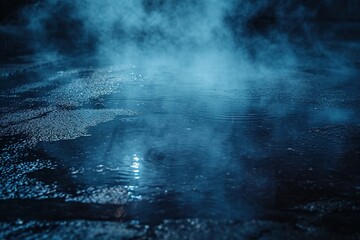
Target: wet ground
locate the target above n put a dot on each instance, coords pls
(162, 152)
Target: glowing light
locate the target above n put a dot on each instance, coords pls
(135, 165)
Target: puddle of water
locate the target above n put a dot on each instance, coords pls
(139, 149)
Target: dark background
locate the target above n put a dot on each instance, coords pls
(325, 9)
(65, 33)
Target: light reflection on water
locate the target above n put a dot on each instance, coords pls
(136, 169)
(206, 151)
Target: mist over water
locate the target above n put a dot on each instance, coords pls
(146, 111)
(170, 30)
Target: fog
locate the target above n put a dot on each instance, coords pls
(227, 85)
(234, 31)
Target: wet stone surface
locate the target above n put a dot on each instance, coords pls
(129, 152)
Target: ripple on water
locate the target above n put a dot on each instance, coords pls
(230, 113)
(190, 177)
(172, 167)
(182, 155)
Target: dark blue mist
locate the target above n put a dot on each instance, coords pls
(154, 110)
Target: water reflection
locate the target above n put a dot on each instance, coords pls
(199, 151)
(135, 184)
